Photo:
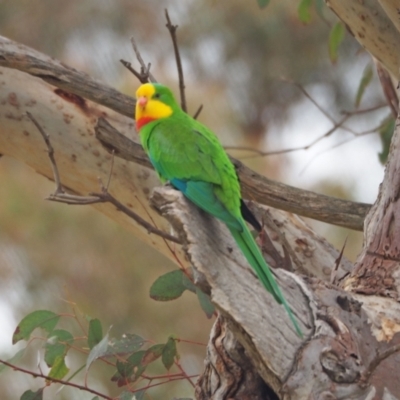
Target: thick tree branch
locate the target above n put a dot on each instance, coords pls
(17, 56)
(255, 187)
(55, 380)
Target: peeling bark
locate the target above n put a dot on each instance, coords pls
(377, 268)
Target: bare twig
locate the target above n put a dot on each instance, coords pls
(184, 374)
(54, 380)
(50, 152)
(104, 196)
(197, 113)
(337, 125)
(321, 109)
(144, 69)
(364, 110)
(142, 76)
(172, 30)
(60, 195)
(290, 150)
(163, 382)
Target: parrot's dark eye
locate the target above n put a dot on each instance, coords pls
(157, 96)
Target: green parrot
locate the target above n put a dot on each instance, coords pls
(190, 156)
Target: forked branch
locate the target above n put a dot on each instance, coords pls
(60, 195)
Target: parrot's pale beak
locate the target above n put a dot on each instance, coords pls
(142, 101)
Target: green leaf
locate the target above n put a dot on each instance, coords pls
(126, 396)
(205, 303)
(189, 285)
(44, 319)
(262, 3)
(57, 345)
(16, 357)
(98, 351)
(130, 369)
(132, 396)
(336, 37)
(168, 287)
(29, 395)
(59, 369)
(303, 11)
(169, 353)
(124, 372)
(128, 343)
(364, 82)
(96, 398)
(139, 395)
(95, 333)
(136, 358)
(386, 131)
(152, 354)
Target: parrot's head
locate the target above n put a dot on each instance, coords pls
(153, 101)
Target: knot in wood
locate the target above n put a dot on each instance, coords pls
(346, 303)
(340, 369)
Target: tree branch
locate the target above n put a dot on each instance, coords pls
(61, 196)
(172, 31)
(61, 76)
(54, 380)
(255, 186)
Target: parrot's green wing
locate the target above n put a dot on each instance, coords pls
(190, 156)
(182, 151)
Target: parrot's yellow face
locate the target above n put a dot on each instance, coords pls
(151, 104)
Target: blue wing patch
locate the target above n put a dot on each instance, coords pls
(202, 194)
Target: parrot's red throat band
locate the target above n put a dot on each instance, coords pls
(143, 121)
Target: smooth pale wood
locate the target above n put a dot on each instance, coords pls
(372, 28)
(391, 8)
(80, 157)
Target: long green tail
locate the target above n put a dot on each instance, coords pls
(251, 251)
